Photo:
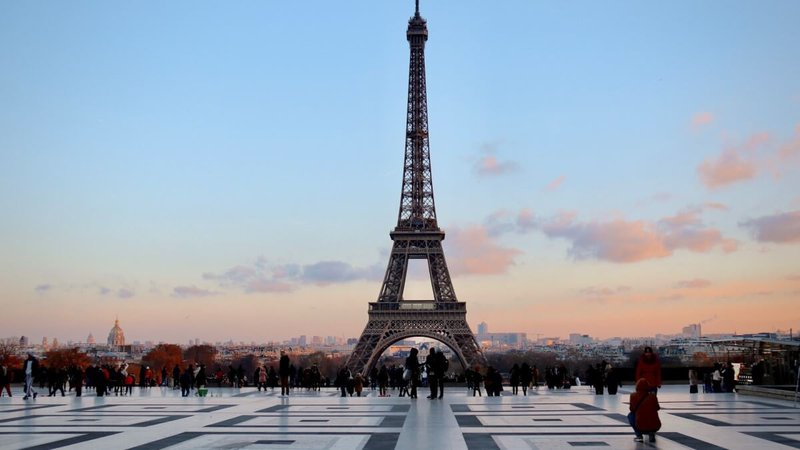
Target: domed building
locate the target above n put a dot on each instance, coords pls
(116, 337)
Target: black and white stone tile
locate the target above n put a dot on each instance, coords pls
(160, 418)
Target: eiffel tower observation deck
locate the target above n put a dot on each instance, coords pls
(416, 236)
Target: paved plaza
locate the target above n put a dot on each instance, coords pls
(159, 418)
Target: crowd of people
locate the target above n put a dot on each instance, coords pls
(119, 380)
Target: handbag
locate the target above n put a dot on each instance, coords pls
(407, 374)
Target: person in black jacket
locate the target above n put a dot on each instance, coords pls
(412, 365)
(283, 372)
(186, 380)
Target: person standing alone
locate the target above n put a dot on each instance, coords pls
(31, 367)
(283, 372)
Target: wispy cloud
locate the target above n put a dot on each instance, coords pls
(42, 288)
(263, 277)
(125, 293)
(620, 240)
(702, 118)
(489, 165)
(616, 241)
(555, 184)
(191, 291)
(594, 291)
(779, 228)
(755, 156)
(697, 283)
(734, 164)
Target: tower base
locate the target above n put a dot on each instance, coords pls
(392, 322)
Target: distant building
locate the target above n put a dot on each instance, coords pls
(23, 341)
(692, 331)
(90, 340)
(580, 339)
(483, 328)
(503, 340)
(116, 337)
(301, 341)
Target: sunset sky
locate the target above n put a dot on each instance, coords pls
(232, 170)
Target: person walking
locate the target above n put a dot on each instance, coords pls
(76, 380)
(31, 367)
(477, 378)
(716, 379)
(728, 377)
(525, 377)
(5, 379)
(643, 415)
(649, 368)
(412, 365)
(358, 383)
(693, 381)
(442, 364)
(514, 379)
(186, 381)
(383, 380)
(431, 363)
(283, 371)
(342, 378)
(612, 379)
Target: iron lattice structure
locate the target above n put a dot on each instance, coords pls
(417, 236)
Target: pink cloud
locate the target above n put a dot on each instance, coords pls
(727, 168)
(473, 251)
(702, 118)
(697, 283)
(555, 184)
(616, 241)
(624, 241)
(490, 166)
(779, 228)
(734, 164)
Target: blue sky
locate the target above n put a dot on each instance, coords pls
(151, 147)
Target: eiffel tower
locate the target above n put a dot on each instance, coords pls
(417, 236)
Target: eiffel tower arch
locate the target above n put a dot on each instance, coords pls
(416, 236)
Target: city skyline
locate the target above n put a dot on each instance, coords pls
(233, 172)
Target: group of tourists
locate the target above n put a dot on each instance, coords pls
(117, 379)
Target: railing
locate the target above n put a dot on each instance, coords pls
(418, 305)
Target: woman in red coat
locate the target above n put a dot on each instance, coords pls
(644, 411)
(649, 368)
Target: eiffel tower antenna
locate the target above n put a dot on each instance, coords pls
(416, 236)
